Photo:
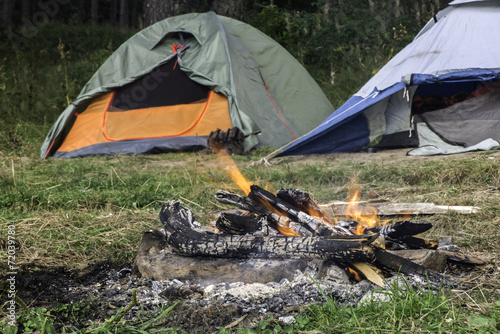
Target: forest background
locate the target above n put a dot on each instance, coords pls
(50, 48)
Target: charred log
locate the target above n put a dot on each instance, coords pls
(309, 223)
(230, 141)
(398, 235)
(180, 234)
(414, 242)
(401, 229)
(301, 200)
(238, 224)
(397, 264)
(242, 202)
(273, 219)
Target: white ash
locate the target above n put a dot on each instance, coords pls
(279, 299)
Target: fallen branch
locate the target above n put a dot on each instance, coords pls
(394, 209)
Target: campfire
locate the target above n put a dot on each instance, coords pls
(269, 235)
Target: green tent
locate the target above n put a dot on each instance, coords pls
(171, 84)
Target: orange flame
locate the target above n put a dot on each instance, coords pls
(234, 172)
(285, 230)
(366, 216)
(245, 184)
(354, 274)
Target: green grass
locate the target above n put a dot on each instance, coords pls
(408, 310)
(67, 318)
(94, 199)
(73, 213)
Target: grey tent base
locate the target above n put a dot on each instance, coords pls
(432, 144)
(142, 146)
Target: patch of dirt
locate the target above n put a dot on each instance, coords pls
(195, 319)
(388, 157)
(384, 157)
(48, 287)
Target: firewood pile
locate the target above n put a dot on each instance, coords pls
(290, 225)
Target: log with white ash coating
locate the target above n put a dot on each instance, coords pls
(182, 235)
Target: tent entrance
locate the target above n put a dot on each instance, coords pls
(463, 113)
(162, 104)
(196, 119)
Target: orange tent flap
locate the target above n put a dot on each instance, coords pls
(196, 119)
(96, 125)
(86, 130)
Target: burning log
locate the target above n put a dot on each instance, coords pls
(308, 224)
(244, 203)
(286, 227)
(303, 202)
(398, 235)
(261, 207)
(180, 234)
(305, 217)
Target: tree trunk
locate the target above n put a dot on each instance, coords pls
(124, 14)
(26, 10)
(8, 8)
(397, 8)
(235, 9)
(113, 11)
(134, 15)
(157, 10)
(81, 11)
(94, 11)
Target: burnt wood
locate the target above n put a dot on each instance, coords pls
(242, 202)
(180, 234)
(401, 229)
(157, 260)
(265, 199)
(397, 263)
(273, 219)
(302, 201)
(238, 224)
(398, 235)
(230, 141)
(247, 204)
(463, 258)
(414, 242)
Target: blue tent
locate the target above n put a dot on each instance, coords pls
(439, 93)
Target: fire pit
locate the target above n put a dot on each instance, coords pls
(269, 237)
(276, 253)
